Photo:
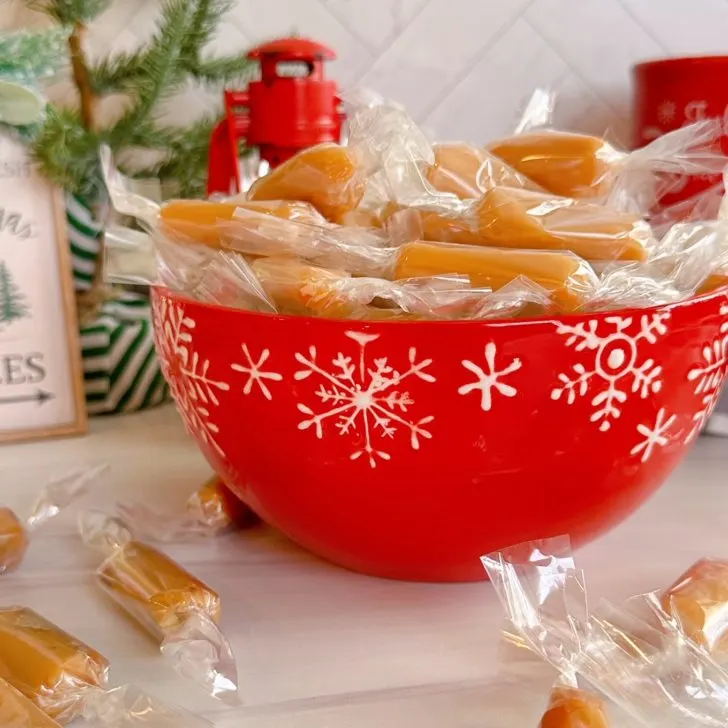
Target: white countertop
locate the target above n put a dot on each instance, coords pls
(318, 647)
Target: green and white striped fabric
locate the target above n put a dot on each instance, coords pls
(120, 364)
(85, 235)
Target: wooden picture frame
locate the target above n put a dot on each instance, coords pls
(41, 374)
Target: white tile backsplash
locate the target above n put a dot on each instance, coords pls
(463, 67)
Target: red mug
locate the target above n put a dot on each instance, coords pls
(675, 92)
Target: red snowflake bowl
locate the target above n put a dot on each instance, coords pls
(408, 449)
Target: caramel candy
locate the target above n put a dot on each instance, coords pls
(716, 280)
(215, 506)
(16, 711)
(467, 171)
(698, 601)
(328, 176)
(573, 708)
(154, 589)
(298, 288)
(566, 277)
(567, 164)
(13, 540)
(197, 220)
(515, 218)
(47, 665)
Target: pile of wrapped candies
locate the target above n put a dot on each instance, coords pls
(49, 677)
(393, 227)
(660, 656)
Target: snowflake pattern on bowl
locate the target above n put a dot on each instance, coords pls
(618, 366)
(492, 379)
(363, 397)
(710, 375)
(193, 388)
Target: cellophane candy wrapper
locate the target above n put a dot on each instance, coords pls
(66, 679)
(565, 278)
(209, 512)
(169, 602)
(55, 496)
(644, 664)
(583, 166)
(16, 711)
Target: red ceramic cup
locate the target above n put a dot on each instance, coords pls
(674, 92)
(409, 449)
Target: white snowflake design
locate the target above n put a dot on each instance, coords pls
(489, 380)
(364, 398)
(666, 112)
(709, 377)
(654, 435)
(194, 391)
(618, 364)
(256, 373)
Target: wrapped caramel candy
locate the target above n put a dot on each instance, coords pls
(55, 496)
(63, 679)
(468, 171)
(169, 602)
(196, 220)
(211, 510)
(519, 218)
(217, 508)
(568, 279)
(16, 711)
(49, 666)
(698, 601)
(328, 176)
(573, 708)
(648, 669)
(583, 166)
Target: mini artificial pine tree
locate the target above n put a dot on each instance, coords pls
(68, 142)
(12, 300)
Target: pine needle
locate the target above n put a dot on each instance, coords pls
(70, 12)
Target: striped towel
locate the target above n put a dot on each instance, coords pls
(121, 370)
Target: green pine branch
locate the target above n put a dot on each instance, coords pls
(66, 152)
(162, 77)
(224, 70)
(70, 12)
(117, 74)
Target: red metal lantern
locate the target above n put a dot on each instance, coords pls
(291, 107)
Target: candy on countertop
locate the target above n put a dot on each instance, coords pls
(698, 601)
(53, 498)
(154, 589)
(172, 604)
(13, 540)
(16, 711)
(49, 666)
(214, 505)
(574, 708)
(632, 653)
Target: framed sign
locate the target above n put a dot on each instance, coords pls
(41, 380)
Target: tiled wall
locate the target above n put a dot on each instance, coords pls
(463, 67)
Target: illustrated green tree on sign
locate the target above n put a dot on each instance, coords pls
(12, 301)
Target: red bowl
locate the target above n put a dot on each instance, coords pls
(407, 450)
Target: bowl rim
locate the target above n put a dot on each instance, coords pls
(340, 322)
